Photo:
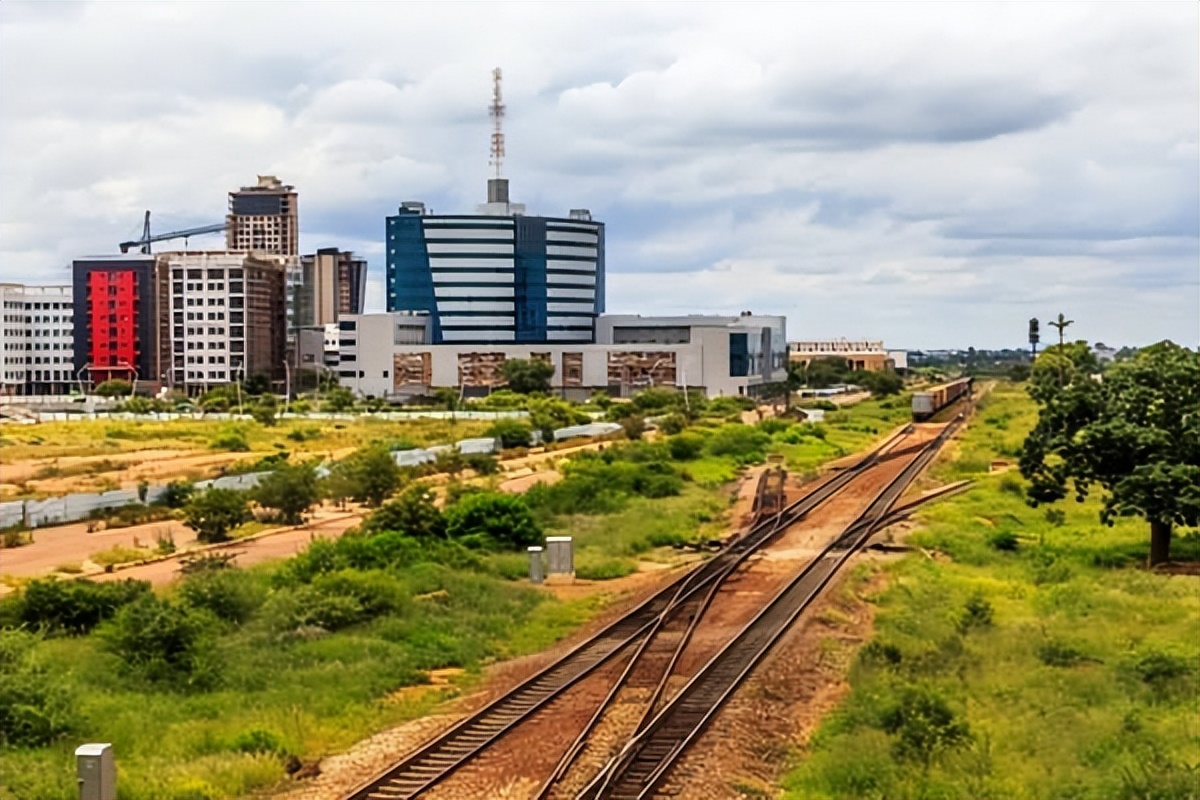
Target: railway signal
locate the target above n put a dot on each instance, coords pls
(1034, 336)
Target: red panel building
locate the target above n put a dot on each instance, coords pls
(116, 319)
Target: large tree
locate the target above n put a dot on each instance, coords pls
(527, 377)
(1134, 432)
(291, 490)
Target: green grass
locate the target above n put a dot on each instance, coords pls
(103, 437)
(311, 695)
(1083, 683)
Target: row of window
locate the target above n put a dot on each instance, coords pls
(19, 306)
(40, 360)
(214, 273)
(40, 375)
(235, 347)
(37, 319)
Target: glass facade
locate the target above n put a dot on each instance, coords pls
(497, 279)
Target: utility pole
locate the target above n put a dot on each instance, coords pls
(1061, 323)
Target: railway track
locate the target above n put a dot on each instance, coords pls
(448, 752)
(648, 756)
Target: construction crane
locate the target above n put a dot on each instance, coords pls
(144, 243)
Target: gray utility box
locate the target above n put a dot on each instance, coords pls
(560, 555)
(536, 573)
(97, 772)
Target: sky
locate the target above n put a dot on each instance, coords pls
(929, 174)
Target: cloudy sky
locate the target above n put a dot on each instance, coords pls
(930, 174)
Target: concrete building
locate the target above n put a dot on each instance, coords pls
(227, 313)
(264, 218)
(394, 355)
(36, 340)
(332, 282)
(119, 332)
(498, 276)
(857, 354)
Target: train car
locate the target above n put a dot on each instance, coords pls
(929, 402)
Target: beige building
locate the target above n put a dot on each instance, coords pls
(264, 218)
(332, 282)
(227, 316)
(861, 354)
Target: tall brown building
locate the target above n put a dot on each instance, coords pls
(264, 218)
(332, 282)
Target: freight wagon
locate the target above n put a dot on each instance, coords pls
(929, 402)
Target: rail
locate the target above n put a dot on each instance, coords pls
(447, 752)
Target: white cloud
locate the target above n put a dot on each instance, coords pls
(930, 175)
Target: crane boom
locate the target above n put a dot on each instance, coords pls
(146, 240)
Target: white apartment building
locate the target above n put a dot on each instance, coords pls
(227, 316)
(36, 340)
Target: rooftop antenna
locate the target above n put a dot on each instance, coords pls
(496, 112)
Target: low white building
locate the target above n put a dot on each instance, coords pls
(388, 355)
(36, 340)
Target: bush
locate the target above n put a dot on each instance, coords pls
(369, 476)
(634, 426)
(232, 439)
(1005, 541)
(742, 442)
(177, 494)
(481, 463)
(264, 410)
(413, 513)
(114, 388)
(291, 490)
(258, 741)
(672, 424)
(686, 446)
(71, 607)
(511, 432)
(299, 611)
(924, 727)
(35, 709)
(773, 425)
(215, 512)
(230, 595)
(163, 643)
(493, 521)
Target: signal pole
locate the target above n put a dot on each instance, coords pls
(1034, 338)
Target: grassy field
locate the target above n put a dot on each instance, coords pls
(1032, 657)
(103, 437)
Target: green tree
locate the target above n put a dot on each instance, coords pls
(291, 489)
(265, 409)
(214, 513)
(880, 384)
(163, 641)
(368, 476)
(511, 432)
(413, 513)
(527, 376)
(114, 388)
(493, 520)
(338, 399)
(924, 727)
(1135, 434)
(634, 426)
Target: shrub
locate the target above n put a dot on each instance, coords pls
(71, 607)
(773, 425)
(413, 513)
(1011, 485)
(177, 494)
(493, 521)
(481, 463)
(114, 388)
(258, 741)
(1005, 541)
(672, 424)
(742, 442)
(264, 410)
(291, 490)
(685, 446)
(298, 611)
(369, 476)
(511, 432)
(977, 613)
(232, 439)
(215, 512)
(35, 709)
(924, 727)
(375, 591)
(230, 595)
(604, 569)
(634, 426)
(163, 642)
(1057, 653)
(303, 434)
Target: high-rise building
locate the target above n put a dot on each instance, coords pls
(332, 282)
(227, 313)
(264, 218)
(118, 330)
(36, 340)
(499, 275)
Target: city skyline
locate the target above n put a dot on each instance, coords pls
(864, 170)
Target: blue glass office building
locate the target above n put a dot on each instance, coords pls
(497, 278)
